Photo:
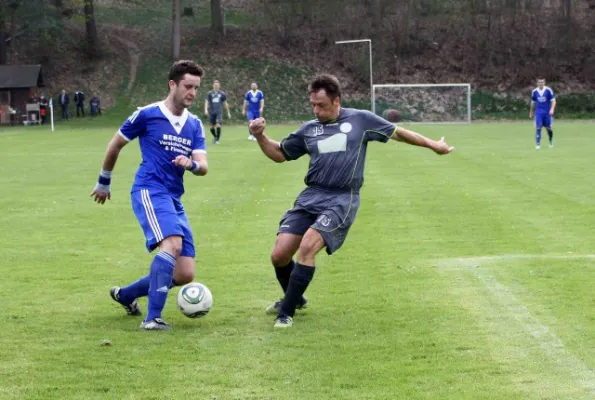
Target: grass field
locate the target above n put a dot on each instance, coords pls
(468, 276)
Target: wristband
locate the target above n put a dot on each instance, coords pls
(105, 177)
(195, 167)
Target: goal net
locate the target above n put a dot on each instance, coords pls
(425, 103)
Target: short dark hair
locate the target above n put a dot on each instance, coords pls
(183, 67)
(540, 78)
(328, 82)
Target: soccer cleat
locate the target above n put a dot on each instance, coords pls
(131, 309)
(251, 137)
(217, 142)
(156, 324)
(275, 308)
(538, 147)
(283, 321)
(551, 145)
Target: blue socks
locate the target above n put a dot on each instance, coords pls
(138, 289)
(160, 280)
(135, 290)
(538, 136)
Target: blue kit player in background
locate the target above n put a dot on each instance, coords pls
(254, 101)
(336, 142)
(543, 103)
(172, 141)
(214, 110)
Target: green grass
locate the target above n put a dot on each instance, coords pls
(463, 277)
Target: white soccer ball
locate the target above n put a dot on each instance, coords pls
(195, 300)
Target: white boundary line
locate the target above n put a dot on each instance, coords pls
(513, 309)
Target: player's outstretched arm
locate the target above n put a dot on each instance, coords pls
(405, 135)
(268, 146)
(102, 190)
(531, 109)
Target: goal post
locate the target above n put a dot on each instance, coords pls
(431, 103)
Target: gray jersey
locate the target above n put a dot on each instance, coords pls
(337, 148)
(216, 101)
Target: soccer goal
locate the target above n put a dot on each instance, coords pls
(448, 103)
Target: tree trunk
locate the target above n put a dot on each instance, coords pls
(217, 17)
(3, 48)
(92, 38)
(176, 36)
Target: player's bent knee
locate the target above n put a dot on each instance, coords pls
(184, 270)
(280, 258)
(311, 244)
(171, 245)
(183, 277)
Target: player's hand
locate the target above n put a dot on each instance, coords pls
(551, 113)
(228, 115)
(441, 147)
(243, 113)
(101, 193)
(257, 126)
(530, 115)
(182, 161)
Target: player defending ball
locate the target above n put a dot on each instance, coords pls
(336, 142)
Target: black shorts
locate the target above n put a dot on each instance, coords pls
(329, 212)
(215, 118)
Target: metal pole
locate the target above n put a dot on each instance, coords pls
(469, 103)
(372, 94)
(372, 97)
(52, 112)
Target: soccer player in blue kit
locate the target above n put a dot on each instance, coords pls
(543, 103)
(336, 142)
(172, 141)
(254, 101)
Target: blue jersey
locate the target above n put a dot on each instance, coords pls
(162, 137)
(543, 100)
(253, 99)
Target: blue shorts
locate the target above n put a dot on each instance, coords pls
(253, 115)
(543, 120)
(160, 215)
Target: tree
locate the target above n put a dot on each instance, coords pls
(176, 35)
(217, 17)
(92, 39)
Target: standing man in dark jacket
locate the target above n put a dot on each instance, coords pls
(64, 100)
(79, 100)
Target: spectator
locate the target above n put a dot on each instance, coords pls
(43, 108)
(79, 100)
(95, 106)
(64, 100)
